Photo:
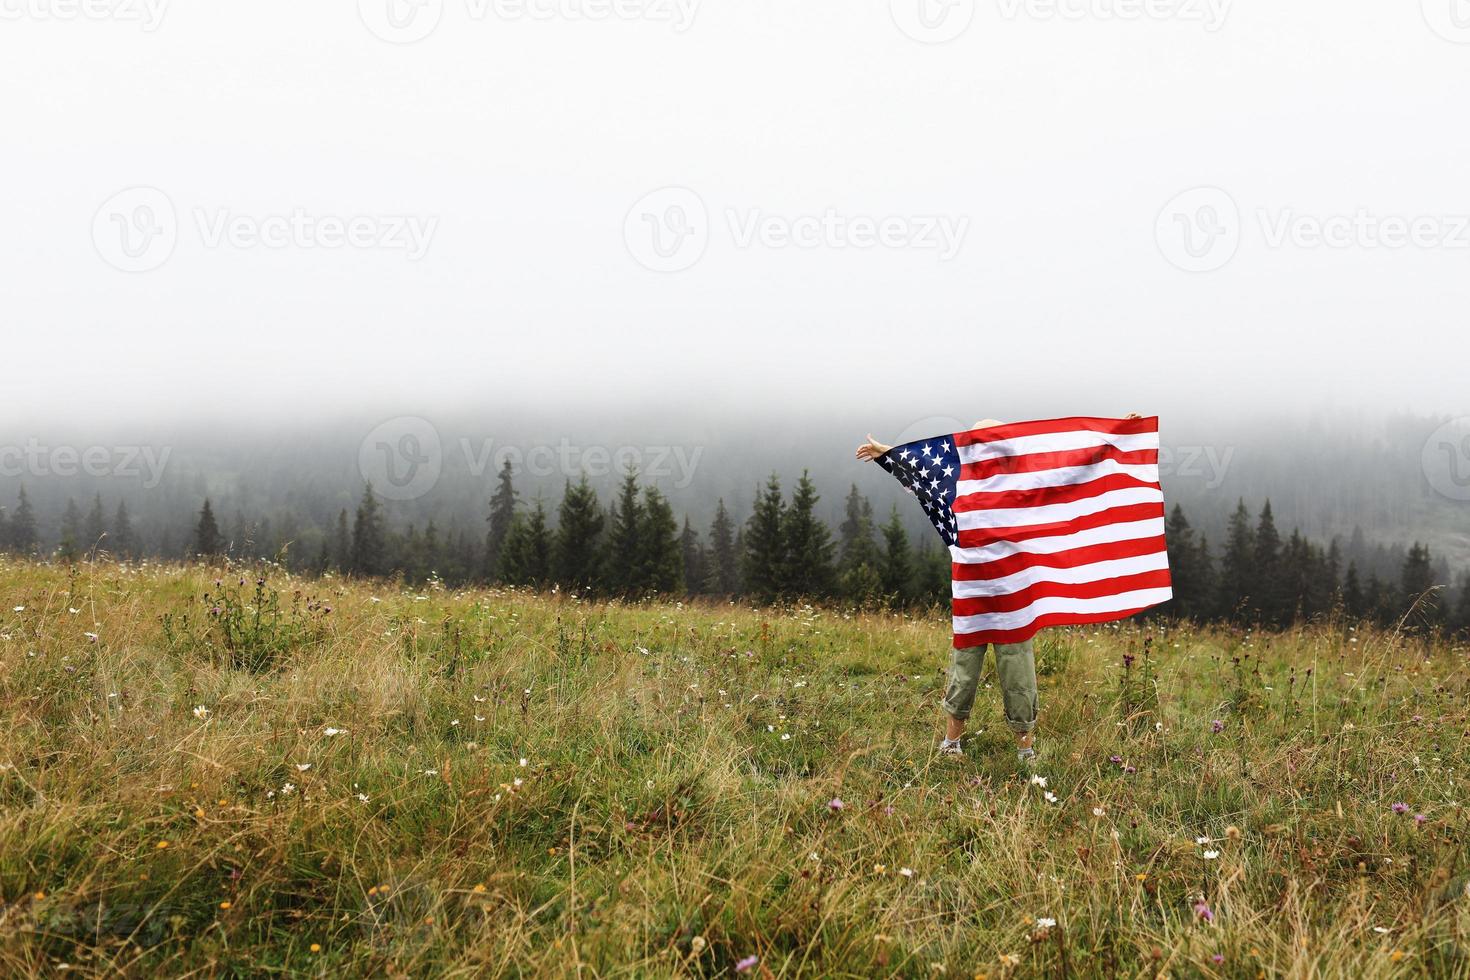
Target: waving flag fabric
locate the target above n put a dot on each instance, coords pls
(1049, 523)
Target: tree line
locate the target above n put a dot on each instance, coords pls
(635, 547)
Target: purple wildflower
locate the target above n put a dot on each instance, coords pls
(1202, 909)
(747, 964)
(836, 805)
(1218, 958)
(1217, 726)
(1129, 770)
(1115, 759)
(1400, 808)
(1419, 818)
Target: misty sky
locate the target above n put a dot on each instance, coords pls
(865, 222)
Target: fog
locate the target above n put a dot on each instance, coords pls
(1209, 211)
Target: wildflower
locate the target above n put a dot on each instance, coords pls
(1232, 833)
(878, 869)
(1217, 726)
(786, 736)
(303, 766)
(1396, 955)
(835, 805)
(1115, 759)
(1202, 909)
(478, 889)
(91, 636)
(19, 609)
(287, 789)
(525, 762)
(1045, 923)
(747, 964)
(201, 712)
(1400, 808)
(1098, 811)
(1038, 781)
(1050, 796)
(1210, 855)
(1419, 819)
(1218, 958)
(161, 845)
(224, 905)
(1201, 840)
(906, 872)
(362, 797)
(316, 947)
(1009, 960)
(696, 945)
(329, 732)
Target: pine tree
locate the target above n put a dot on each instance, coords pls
(1415, 582)
(932, 583)
(124, 537)
(896, 571)
(764, 561)
(858, 546)
(502, 512)
(1273, 604)
(23, 536)
(660, 560)
(1191, 598)
(71, 531)
(620, 568)
(526, 553)
(1354, 601)
(207, 541)
(724, 570)
(95, 529)
(1460, 621)
(696, 559)
(808, 565)
(578, 531)
(369, 537)
(4, 530)
(342, 543)
(1235, 566)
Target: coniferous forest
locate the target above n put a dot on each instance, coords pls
(635, 546)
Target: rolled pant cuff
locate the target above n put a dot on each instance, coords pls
(1020, 727)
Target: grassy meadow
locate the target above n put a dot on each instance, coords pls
(201, 775)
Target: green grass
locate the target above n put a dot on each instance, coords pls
(672, 815)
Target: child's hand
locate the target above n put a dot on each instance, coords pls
(871, 449)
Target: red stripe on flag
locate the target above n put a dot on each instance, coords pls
(1116, 427)
(1042, 496)
(1086, 555)
(1023, 633)
(978, 537)
(1031, 462)
(1013, 601)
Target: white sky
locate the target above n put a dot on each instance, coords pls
(527, 140)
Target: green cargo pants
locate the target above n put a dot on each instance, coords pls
(1016, 667)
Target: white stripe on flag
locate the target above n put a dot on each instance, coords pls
(1056, 442)
(1057, 513)
(1056, 604)
(1107, 534)
(1075, 575)
(1062, 476)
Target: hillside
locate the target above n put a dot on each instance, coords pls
(332, 777)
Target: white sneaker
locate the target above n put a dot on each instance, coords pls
(950, 746)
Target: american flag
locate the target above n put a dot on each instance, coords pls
(1051, 523)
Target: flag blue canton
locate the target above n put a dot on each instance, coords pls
(930, 470)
